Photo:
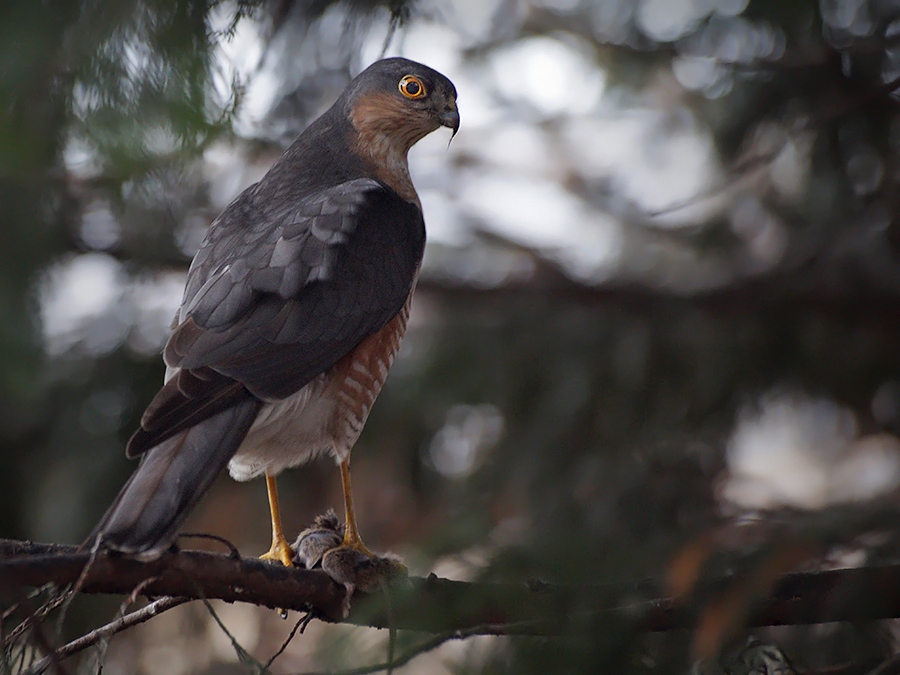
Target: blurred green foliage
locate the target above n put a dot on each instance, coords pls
(609, 405)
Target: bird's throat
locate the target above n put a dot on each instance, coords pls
(384, 135)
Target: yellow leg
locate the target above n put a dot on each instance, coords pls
(280, 550)
(351, 533)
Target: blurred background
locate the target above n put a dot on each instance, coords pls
(660, 298)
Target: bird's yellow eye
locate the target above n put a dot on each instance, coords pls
(412, 87)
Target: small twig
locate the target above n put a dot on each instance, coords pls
(233, 550)
(40, 612)
(53, 658)
(396, 20)
(63, 600)
(103, 645)
(79, 583)
(243, 655)
(885, 89)
(17, 664)
(301, 624)
(69, 595)
(139, 616)
(431, 644)
(20, 663)
(742, 170)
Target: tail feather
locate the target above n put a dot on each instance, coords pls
(170, 480)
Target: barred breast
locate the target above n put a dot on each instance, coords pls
(328, 414)
(356, 380)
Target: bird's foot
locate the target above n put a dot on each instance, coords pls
(350, 563)
(280, 551)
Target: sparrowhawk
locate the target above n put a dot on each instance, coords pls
(293, 311)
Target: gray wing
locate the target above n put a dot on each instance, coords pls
(278, 294)
(254, 248)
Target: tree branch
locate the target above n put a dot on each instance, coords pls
(190, 574)
(440, 605)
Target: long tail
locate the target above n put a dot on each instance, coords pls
(170, 480)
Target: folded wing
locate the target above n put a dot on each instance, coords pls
(278, 293)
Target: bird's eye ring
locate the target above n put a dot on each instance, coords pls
(412, 87)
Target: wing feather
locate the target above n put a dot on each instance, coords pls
(279, 292)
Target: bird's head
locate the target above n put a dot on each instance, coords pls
(396, 102)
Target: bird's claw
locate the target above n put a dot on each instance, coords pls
(280, 551)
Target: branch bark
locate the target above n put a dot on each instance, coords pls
(440, 605)
(190, 574)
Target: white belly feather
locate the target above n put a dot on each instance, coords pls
(286, 433)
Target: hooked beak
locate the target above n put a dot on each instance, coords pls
(450, 118)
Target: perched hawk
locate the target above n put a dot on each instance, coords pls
(294, 308)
